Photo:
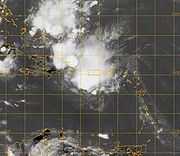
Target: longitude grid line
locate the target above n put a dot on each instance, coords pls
(155, 72)
(136, 109)
(174, 83)
(81, 98)
(43, 91)
(24, 91)
(117, 96)
(98, 98)
(6, 98)
(61, 77)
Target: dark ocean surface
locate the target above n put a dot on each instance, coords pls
(49, 105)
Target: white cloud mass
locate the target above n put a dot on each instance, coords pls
(57, 17)
(93, 68)
(6, 65)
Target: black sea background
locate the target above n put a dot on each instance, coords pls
(45, 111)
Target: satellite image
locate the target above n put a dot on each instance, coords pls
(89, 77)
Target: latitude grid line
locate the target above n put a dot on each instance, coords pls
(175, 14)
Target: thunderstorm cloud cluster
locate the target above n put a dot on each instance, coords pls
(89, 59)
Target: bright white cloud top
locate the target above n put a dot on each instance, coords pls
(6, 65)
(103, 136)
(93, 68)
(65, 54)
(89, 59)
(55, 17)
